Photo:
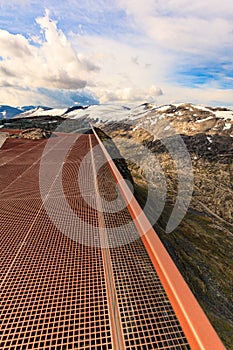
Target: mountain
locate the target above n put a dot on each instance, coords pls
(40, 111)
(32, 111)
(186, 113)
(149, 139)
(8, 112)
(26, 108)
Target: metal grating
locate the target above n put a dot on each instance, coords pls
(68, 283)
(148, 320)
(147, 317)
(53, 293)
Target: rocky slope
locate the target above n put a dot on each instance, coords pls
(31, 134)
(208, 136)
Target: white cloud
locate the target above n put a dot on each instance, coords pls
(188, 36)
(178, 8)
(53, 64)
(120, 77)
(191, 35)
(129, 94)
(204, 95)
(198, 8)
(161, 38)
(199, 27)
(14, 45)
(15, 2)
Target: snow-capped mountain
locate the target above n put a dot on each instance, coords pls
(185, 117)
(40, 111)
(8, 111)
(108, 112)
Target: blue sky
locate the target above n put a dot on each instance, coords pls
(60, 53)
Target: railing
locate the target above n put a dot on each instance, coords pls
(196, 326)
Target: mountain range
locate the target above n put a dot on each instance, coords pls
(7, 112)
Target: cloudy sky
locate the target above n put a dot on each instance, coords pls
(60, 53)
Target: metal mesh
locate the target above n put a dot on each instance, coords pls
(147, 317)
(55, 289)
(53, 293)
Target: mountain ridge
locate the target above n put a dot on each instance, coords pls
(124, 111)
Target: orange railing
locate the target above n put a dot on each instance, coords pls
(195, 324)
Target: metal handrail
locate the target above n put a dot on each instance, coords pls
(195, 324)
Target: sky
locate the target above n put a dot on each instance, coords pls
(60, 53)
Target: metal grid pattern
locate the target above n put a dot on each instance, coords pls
(54, 287)
(53, 293)
(148, 320)
(147, 317)
(55, 298)
(16, 159)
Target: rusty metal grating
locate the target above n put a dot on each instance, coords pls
(148, 320)
(53, 293)
(147, 317)
(68, 283)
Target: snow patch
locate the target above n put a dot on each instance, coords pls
(53, 112)
(204, 120)
(153, 122)
(227, 126)
(163, 108)
(202, 108)
(179, 104)
(224, 114)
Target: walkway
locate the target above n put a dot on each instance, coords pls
(74, 271)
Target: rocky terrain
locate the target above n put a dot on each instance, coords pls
(177, 150)
(209, 141)
(29, 134)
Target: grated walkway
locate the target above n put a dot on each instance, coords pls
(74, 271)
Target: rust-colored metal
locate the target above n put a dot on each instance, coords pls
(115, 322)
(61, 291)
(53, 294)
(148, 320)
(194, 322)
